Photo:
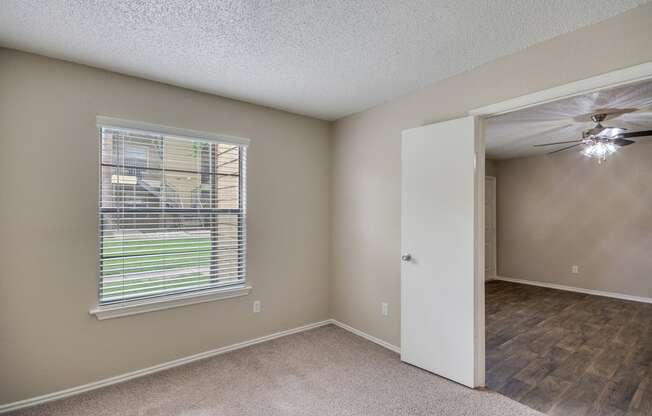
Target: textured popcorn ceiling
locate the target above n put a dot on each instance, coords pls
(324, 58)
(512, 135)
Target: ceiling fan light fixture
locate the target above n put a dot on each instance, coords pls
(598, 149)
(599, 141)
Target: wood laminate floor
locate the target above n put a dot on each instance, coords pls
(566, 353)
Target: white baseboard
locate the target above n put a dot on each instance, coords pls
(367, 336)
(185, 360)
(160, 367)
(576, 289)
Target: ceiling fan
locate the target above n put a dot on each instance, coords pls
(600, 141)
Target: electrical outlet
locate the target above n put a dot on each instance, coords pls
(575, 269)
(384, 309)
(256, 306)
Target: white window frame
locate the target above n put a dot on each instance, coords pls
(174, 300)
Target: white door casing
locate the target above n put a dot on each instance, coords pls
(439, 230)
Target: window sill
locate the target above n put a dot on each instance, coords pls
(167, 302)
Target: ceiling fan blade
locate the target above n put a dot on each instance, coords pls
(552, 144)
(634, 134)
(623, 142)
(564, 148)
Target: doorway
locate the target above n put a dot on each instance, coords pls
(465, 329)
(567, 332)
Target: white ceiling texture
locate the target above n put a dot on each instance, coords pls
(323, 58)
(514, 134)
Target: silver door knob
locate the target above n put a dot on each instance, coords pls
(406, 257)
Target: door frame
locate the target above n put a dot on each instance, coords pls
(612, 79)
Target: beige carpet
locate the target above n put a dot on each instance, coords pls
(325, 371)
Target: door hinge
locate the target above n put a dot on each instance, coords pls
(475, 161)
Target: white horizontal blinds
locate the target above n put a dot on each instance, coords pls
(172, 214)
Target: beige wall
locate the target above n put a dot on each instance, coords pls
(48, 225)
(562, 210)
(366, 156)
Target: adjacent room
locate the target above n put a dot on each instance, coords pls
(569, 220)
(245, 208)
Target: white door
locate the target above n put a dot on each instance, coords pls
(439, 320)
(489, 228)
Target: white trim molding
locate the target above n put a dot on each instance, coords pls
(119, 310)
(154, 369)
(608, 80)
(184, 360)
(142, 127)
(577, 289)
(366, 336)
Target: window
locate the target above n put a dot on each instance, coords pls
(172, 214)
(136, 156)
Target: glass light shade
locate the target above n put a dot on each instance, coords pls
(598, 149)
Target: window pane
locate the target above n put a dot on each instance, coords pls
(172, 215)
